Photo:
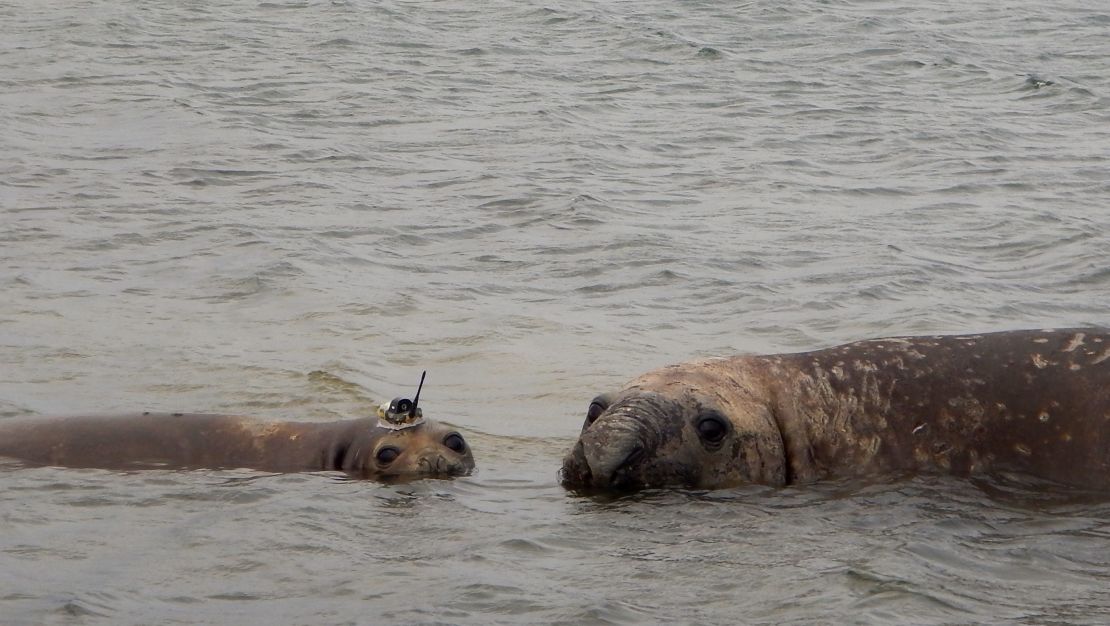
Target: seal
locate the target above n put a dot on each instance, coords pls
(1033, 402)
(363, 448)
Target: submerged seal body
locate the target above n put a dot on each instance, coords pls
(1033, 402)
(359, 447)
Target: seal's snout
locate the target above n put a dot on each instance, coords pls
(607, 454)
(609, 461)
(438, 465)
(575, 471)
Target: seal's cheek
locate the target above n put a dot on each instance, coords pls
(756, 458)
(457, 455)
(752, 451)
(714, 455)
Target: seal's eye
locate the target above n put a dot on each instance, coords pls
(387, 455)
(597, 407)
(455, 442)
(594, 412)
(712, 429)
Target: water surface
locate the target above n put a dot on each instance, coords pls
(290, 209)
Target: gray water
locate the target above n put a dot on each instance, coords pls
(290, 209)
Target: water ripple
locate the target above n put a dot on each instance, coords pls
(291, 209)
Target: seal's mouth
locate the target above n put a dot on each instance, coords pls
(624, 477)
(575, 475)
(441, 467)
(436, 467)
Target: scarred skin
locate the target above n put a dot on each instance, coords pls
(1034, 402)
(193, 441)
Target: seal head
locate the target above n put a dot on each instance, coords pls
(420, 450)
(688, 425)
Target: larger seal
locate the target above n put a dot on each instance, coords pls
(1033, 402)
(361, 447)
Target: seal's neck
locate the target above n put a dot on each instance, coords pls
(348, 443)
(834, 417)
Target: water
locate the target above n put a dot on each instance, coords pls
(289, 209)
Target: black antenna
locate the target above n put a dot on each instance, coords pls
(412, 411)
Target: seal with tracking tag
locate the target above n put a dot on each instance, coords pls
(401, 413)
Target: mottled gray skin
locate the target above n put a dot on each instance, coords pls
(1033, 402)
(193, 441)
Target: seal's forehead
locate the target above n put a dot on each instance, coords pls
(691, 376)
(423, 431)
(730, 385)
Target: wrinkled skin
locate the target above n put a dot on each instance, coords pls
(650, 433)
(191, 441)
(1033, 402)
